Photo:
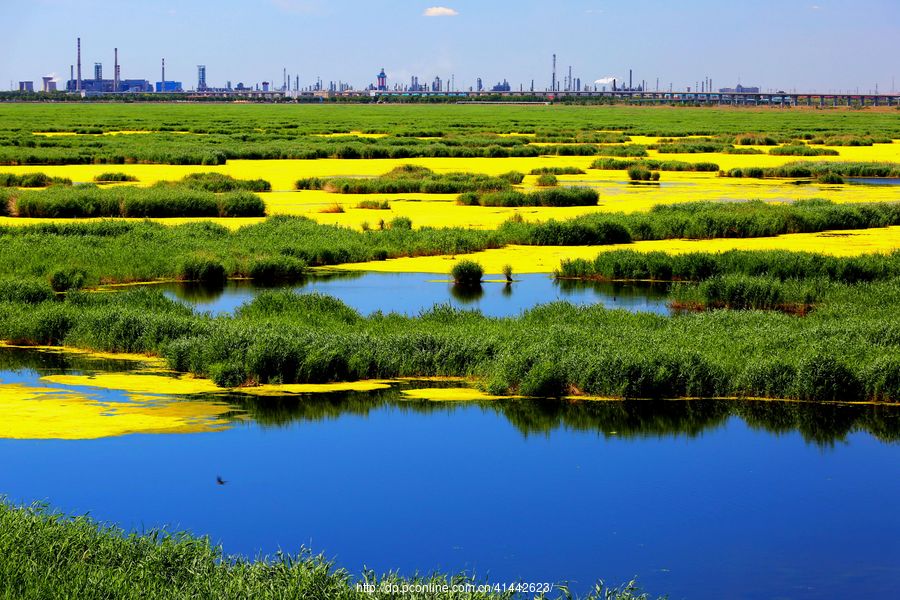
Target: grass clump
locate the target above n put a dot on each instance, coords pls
(628, 150)
(202, 269)
(802, 150)
(409, 179)
(807, 169)
(218, 183)
(31, 180)
(114, 178)
(467, 273)
(641, 173)
(374, 205)
(28, 291)
(280, 269)
(566, 196)
(558, 171)
(547, 180)
(612, 164)
(156, 202)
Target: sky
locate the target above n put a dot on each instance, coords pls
(824, 45)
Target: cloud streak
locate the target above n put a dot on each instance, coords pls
(440, 11)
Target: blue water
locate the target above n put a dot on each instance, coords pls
(875, 180)
(684, 495)
(411, 293)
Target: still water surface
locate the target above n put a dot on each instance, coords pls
(699, 499)
(411, 293)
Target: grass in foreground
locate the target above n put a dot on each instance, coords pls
(46, 555)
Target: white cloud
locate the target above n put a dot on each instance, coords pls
(440, 11)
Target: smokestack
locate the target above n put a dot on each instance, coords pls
(629, 80)
(78, 81)
(570, 78)
(553, 79)
(115, 69)
(71, 75)
(162, 87)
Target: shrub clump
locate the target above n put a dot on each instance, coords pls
(278, 269)
(467, 273)
(114, 177)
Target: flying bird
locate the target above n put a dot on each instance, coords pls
(220, 481)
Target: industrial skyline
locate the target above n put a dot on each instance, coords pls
(291, 84)
(806, 47)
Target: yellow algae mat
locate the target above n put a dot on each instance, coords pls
(449, 394)
(28, 412)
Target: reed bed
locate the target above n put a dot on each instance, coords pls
(159, 201)
(410, 179)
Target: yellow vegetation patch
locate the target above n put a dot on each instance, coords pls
(138, 383)
(545, 259)
(450, 394)
(47, 413)
(315, 388)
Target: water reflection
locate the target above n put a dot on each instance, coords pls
(821, 424)
(411, 293)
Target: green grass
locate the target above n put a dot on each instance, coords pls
(89, 201)
(410, 179)
(553, 196)
(653, 164)
(113, 251)
(48, 555)
(31, 180)
(802, 150)
(558, 171)
(844, 349)
(819, 169)
(114, 177)
(623, 265)
(213, 134)
(467, 273)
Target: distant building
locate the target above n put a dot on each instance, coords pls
(26, 86)
(168, 87)
(382, 81)
(48, 84)
(201, 77)
(740, 89)
(501, 87)
(479, 86)
(437, 85)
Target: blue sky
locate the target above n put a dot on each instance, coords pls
(786, 44)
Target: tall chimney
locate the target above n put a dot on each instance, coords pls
(71, 76)
(116, 70)
(78, 81)
(629, 80)
(162, 86)
(553, 80)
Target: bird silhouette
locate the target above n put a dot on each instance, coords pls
(220, 481)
